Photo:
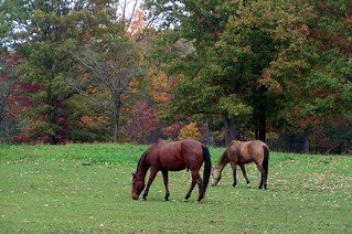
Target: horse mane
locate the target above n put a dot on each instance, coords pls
(142, 158)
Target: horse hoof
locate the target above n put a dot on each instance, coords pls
(185, 200)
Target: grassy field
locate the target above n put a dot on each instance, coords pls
(86, 189)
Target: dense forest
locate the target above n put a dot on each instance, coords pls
(130, 71)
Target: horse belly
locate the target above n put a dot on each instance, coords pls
(245, 160)
(173, 165)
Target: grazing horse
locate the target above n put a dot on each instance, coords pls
(241, 153)
(168, 156)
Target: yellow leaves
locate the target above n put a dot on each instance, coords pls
(234, 106)
(190, 131)
(94, 122)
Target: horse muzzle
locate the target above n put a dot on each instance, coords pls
(135, 196)
(215, 182)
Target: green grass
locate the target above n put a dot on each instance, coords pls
(86, 189)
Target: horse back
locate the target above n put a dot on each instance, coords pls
(178, 155)
(192, 154)
(257, 148)
(248, 151)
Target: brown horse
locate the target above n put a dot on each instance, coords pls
(168, 156)
(241, 153)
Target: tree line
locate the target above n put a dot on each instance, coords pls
(84, 71)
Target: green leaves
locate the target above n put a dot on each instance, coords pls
(234, 106)
(48, 33)
(265, 58)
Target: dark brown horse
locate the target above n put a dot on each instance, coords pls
(241, 153)
(168, 156)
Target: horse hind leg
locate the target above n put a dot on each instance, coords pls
(193, 183)
(166, 184)
(262, 177)
(265, 180)
(243, 169)
(196, 179)
(200, 189)
(233, 166)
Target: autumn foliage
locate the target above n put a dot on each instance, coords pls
(190, 131)
(144, 123)
(79, 72)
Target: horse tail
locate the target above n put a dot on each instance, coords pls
(207, 169)
(266, 160)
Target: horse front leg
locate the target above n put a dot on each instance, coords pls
(233, 166)
(153, 173)
(244, 173)
(166, 184)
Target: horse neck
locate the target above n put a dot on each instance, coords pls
(223, 161)
(143, 166)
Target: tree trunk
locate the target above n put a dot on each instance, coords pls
(52, 138)
(261, 129)
(1, 112)
(117, 106)
(231, 131)
(306, 135)
(260, 113)
(116, 127)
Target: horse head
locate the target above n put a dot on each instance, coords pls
(216, 175)
(137, 186)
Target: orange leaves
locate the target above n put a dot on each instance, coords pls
(269, 79)
(160, 88)
(305, 123)
(138, 25)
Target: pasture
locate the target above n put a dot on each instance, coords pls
(85, 188)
